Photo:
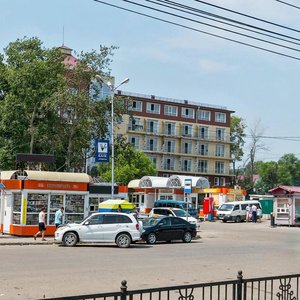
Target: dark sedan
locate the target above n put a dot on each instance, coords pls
(168, 229)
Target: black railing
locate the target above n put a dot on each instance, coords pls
(286, 287)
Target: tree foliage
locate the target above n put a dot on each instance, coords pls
(237, 135)
(129, 164)
(46, 106)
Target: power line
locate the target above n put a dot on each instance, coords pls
(284, 138)
(189, 8)
(200, 31)
(206, 24)
(289, 4)
(248, 16)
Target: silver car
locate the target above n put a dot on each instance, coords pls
(103, 227)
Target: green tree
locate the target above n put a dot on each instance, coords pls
(289, 170)
(46, 106)
(268, 176)
(237, 135)
(129, 164)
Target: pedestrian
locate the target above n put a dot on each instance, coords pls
(42, 224)
(59, 216)
(259, 214)
(135, 213)
(248, 213)
(254, 213)
(120, 208)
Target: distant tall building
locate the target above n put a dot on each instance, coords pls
(179, 136)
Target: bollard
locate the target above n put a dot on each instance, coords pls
(239, 287)
(272, 220)
(123, 289)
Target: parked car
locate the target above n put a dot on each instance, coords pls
(235, 211)
(176, 212)
(178, 204)
(103, 227)
(164, 228)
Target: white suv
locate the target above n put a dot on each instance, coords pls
(106, 227)
(176, 212)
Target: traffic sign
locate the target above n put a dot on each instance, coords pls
(188, 186)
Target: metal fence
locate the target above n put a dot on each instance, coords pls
(286, 287)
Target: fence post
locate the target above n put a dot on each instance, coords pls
(239, 286)
(123, 289)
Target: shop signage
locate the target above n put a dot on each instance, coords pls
(102, 151)
(188, 186)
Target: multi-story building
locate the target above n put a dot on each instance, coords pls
(179, 136)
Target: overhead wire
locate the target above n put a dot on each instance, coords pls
(206, 24)
(247, 16)
(289, 4)
(198, 30)
(227, 19)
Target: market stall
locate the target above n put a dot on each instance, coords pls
(28, 191)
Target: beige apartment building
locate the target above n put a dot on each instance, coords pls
(179, 136)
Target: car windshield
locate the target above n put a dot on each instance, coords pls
(151, 221)
(181, 213)
(226, 207)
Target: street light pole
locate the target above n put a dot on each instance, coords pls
(112, 93)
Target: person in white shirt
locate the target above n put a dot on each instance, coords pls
(42, 224)
(254, 213)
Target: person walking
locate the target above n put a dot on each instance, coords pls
(254, 213)
(59, 216)
(42, 224)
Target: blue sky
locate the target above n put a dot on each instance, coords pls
(169, 61)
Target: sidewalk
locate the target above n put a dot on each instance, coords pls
(6, 239)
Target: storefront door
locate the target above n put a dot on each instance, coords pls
(8, 209)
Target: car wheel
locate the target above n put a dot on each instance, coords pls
(123, 240)
(187, 237)
(238, 219)
(224, 221)
(151, 239)
(70, 239)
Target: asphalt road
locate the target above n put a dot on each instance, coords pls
(37, 271)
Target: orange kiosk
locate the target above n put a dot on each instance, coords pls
(26, 192)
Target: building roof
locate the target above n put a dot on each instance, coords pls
(290, 189)
(47, 176)
(174, 181)
(178, 181)
(153, 182)
(134, 184)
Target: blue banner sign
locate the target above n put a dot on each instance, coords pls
(102, 151)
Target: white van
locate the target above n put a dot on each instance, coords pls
(235, 211)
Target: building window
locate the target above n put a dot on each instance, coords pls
(202, 166)
(153, 108)
(219, 167)
(216, 181)
(169, 146)
(151, 144)
(220, 150)
(152, 126)
(169, 164)
(203, 149)
(204, 132)
(186, 165)
(170, 128)
(204, 115)
(135, 141)
(220, 117)
(187, 130)
(135, 124)
(220, 134)
(222, 181)
(170, 110)
(136, 106)
(187, 113)
(154, 160)
(186, 147)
